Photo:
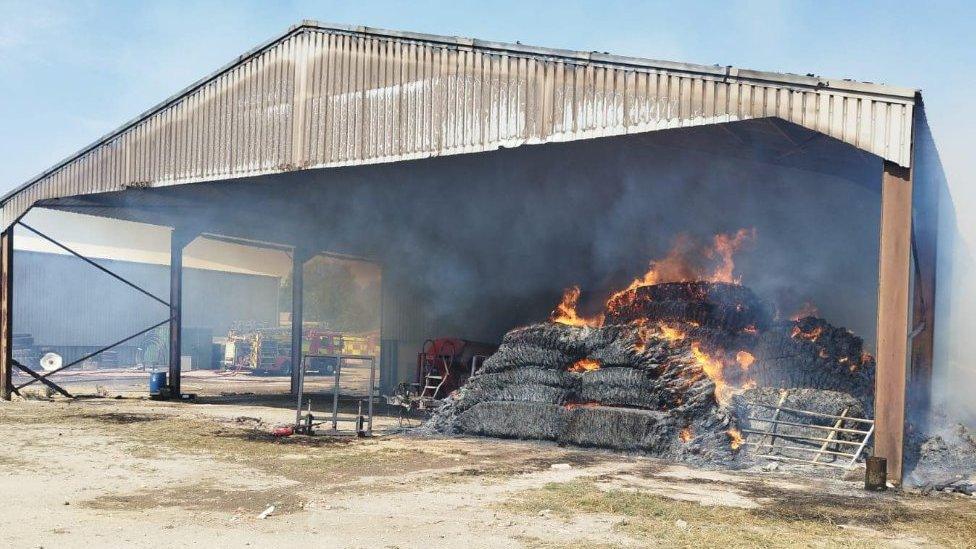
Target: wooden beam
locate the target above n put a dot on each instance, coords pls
(894, 277)
(6, 312)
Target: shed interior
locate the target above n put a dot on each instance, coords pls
(472, 245)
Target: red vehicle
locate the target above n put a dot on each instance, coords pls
(446, 363)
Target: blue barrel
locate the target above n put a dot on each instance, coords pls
(157, 380)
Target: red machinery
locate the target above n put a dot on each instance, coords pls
(446, 363)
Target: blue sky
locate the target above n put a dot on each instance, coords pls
(71, 71)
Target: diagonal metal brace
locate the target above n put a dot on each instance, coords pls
(40, 378)
(93, 264)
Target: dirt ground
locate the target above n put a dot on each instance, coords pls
(131, 472)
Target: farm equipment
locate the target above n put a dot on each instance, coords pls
(443, 365)
(267, 351)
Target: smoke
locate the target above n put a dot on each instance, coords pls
(954, 371)
(472, 245)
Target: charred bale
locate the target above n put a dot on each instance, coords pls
(521, 392)
(523, 420)
(785, 361)
(546, 345)
(620, 429)
(624, 387)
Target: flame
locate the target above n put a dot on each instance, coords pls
(714, 370)
(683, 264)
(584, 365)
(671, 333)
(725, 246)
(812, 335)
(735, 438)
(565, 312)
(686, 435)
(807, 309)
(745, 359)
(686, 261)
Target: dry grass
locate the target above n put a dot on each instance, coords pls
(322, 461)
(787, 519)
(203, 497)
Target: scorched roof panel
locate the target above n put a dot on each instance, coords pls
(332, 95)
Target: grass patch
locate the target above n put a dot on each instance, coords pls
(789, 519)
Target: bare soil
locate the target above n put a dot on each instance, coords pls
(125, 472)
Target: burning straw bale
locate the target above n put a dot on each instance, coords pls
(809, 352)
(655, 371)
(727, 306)
(617, 388)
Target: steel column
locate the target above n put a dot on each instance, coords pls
(178, 241)
(299, 257)
(6, 312)
(894, 291)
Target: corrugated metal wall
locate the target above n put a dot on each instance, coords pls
(333, 96)
(60, 300)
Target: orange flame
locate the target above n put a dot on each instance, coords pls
(807, 309)
(565, 312)
(714, 370)
(671, 333)
(686, 435)
(683, 264)
(725, 247)
(585, 365)
(735, 438)
(812, 335)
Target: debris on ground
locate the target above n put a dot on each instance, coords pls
(946, 462)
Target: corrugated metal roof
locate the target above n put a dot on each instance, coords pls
(326, 95)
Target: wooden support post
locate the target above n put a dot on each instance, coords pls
(299, 257)
(893, 319)
(178, 241)
(6, 312)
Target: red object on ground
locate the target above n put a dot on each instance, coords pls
(283, 431)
